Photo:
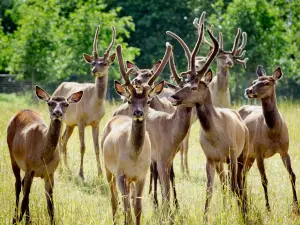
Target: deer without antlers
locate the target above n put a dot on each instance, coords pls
(125, 142)
(225, 60)
(91, 108)
(268, 130)
(32, 147)
(224, 137)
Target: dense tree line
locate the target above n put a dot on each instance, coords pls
(47, 38)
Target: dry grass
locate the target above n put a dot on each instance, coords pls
(88, 202)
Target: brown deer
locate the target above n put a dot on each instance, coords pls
(224, 137)
(225, 60)
(91, 109)
(268, 130)
(32, 147)
(125, 143)
(164, 144)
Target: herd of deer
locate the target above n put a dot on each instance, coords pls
(149, 129)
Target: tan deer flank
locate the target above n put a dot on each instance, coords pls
(268, 130)
(91, 109)
(125, 142)
(224, 137)
(32, 147)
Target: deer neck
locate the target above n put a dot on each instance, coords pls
(222, 78)
(181, 120)
(270, 111)
(206, 113)
(52, 138)
(137, 136)
(101, 87)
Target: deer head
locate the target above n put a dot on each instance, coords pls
(226, 59)
(57, 104)
(141, 76)
(139, 98)
(264, 86)
(100, 65)
(195, 89)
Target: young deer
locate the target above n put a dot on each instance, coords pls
(91, 108)
(224, 137)
(219, 86)
(32, 147)
(268, 130)
(125, 142)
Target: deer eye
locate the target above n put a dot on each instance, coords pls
(148, 102)
(51, 103)
(194, 88)
(129, 102)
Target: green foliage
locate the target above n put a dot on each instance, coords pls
(51, 37)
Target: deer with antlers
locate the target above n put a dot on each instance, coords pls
(91, 108)
(32, 147)
(125, 142)
(164, 144)
(268, 130)
(224, 137)
(225, 60)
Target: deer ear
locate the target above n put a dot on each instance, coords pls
(172, 86)
(76, 97)
(157, 89)
(41, 94)
(277, 74)
(112, 58)
(260, 71)
(131, 65)
(88, 58)
(207, 78)
(156, 65)
(121, 90)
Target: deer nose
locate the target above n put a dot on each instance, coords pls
(248, 91)
(94, 70)
(57, 113)
(138, 113)
(137, 81)
(230, 63)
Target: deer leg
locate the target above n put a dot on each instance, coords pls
(65, 138)
(49, 184)
(82, 148)
(222, 174)
(138, 201)
(185, 152)
(27, 181)
(287, 163)
(95, 131)
(233, 174)
(112, 186)
(172, 178)
(181, 157)
(210, 173)
(241, 179)
(264, 180)
(164, 176)
(151, 178)
(16, 171)
(155, 179)
(124, 189)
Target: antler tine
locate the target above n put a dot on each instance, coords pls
(196, 23)
(183, 45)
(242, 62)
(243, 45)
(201, 20)
(221, 46)
(124, 74)
(206, 41)
(236, 41)
(196, 49)
(162, 65)
(173, 70)
(113, 38)
(211, 56)
(95, 49)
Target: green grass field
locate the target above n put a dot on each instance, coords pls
(88, 202)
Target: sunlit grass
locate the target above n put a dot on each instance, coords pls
(88, 202)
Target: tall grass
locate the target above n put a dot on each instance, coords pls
(88, 202)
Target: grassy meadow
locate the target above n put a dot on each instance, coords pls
(88, 201)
